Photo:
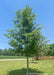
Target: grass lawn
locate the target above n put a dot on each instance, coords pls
(12, 57)
(19, 67)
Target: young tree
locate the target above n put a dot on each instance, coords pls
(26, 35)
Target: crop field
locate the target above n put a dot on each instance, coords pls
(42, 67)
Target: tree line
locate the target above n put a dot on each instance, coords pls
(10, 52)
(48, 51)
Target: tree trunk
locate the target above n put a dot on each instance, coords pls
(27, 66)
(37, 57)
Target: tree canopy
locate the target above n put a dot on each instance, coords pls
(26, 35)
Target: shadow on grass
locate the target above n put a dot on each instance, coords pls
(34, 62)
(23, 72)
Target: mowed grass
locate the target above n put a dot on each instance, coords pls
(12, 57)
(19, 67)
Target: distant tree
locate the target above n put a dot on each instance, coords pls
(0, 51)
(11, 52)
(50, 51)
(5, 52)
(26, 36)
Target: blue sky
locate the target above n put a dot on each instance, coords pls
(45, 15)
